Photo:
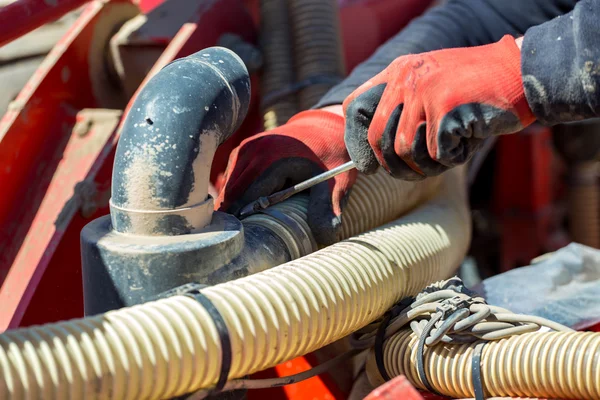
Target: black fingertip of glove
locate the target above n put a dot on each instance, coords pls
(359, 114)
(420, 154)
(462, 131)
(278, 176)
(323, 222)
(396, 166)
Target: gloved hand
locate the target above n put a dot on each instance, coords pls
(428, 112)
(310, 143)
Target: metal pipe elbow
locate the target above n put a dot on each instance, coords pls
(168, 140)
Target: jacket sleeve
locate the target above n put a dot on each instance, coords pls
(561, 66)
(456, 23)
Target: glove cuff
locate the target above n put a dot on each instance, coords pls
(325, 121)
(510, 51)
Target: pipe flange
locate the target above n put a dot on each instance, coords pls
(179, 221)
(124, 269)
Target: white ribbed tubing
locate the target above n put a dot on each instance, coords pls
(560, 365)
(171, 347)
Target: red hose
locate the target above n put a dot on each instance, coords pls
(23, 16)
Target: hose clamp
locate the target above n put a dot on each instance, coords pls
(194, 291)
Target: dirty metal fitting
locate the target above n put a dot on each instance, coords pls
(123, 270)
(170, 347)
(162, 229)
(584, 203)
(549, 365)
(375, 200)
(168, 140)
(128, 266)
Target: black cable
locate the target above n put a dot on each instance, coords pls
(421, 352)
(379, 339)
(476, 371)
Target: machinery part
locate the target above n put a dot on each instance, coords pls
(577, 142)
(584, 203)
(278, 69)
(549, 365)
(123, 270)
(161, 171)
(447, 312)
(579, 145)
(171, 347)
(250, 55)
(278, 197)
(281, 381)
(319, 59)
(154, 239)
(23, 16)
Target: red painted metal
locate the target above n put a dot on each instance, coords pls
(40, 165)
(368, 24)
(23, 16)
(22, 222)
(317, 388)
(524, 192)
(397, 388)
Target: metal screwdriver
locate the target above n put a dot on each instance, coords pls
(266, 201)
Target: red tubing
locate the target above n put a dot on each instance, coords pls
(23, 16)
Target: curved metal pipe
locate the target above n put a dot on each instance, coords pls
(168, 140)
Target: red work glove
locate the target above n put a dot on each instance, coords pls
(310, 143)
(428, 112)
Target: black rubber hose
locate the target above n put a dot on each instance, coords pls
(278, 68)
(319, 59)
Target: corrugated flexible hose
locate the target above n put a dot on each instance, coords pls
(171, 347)
(319, 58)
(549, 365)
(278, 67)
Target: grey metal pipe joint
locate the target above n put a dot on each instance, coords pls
(162, 231)
(168, 140)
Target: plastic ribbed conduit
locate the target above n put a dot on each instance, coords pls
(541, 364)
(171, 347)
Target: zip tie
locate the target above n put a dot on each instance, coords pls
(476, 371)
(193, 290)
(381, 336)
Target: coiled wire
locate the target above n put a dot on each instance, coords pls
(447, 323)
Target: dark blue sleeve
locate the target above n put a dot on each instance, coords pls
(457, 23)
(561, 66)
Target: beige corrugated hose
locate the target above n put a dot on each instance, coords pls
(541, 364)
(171, 347)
